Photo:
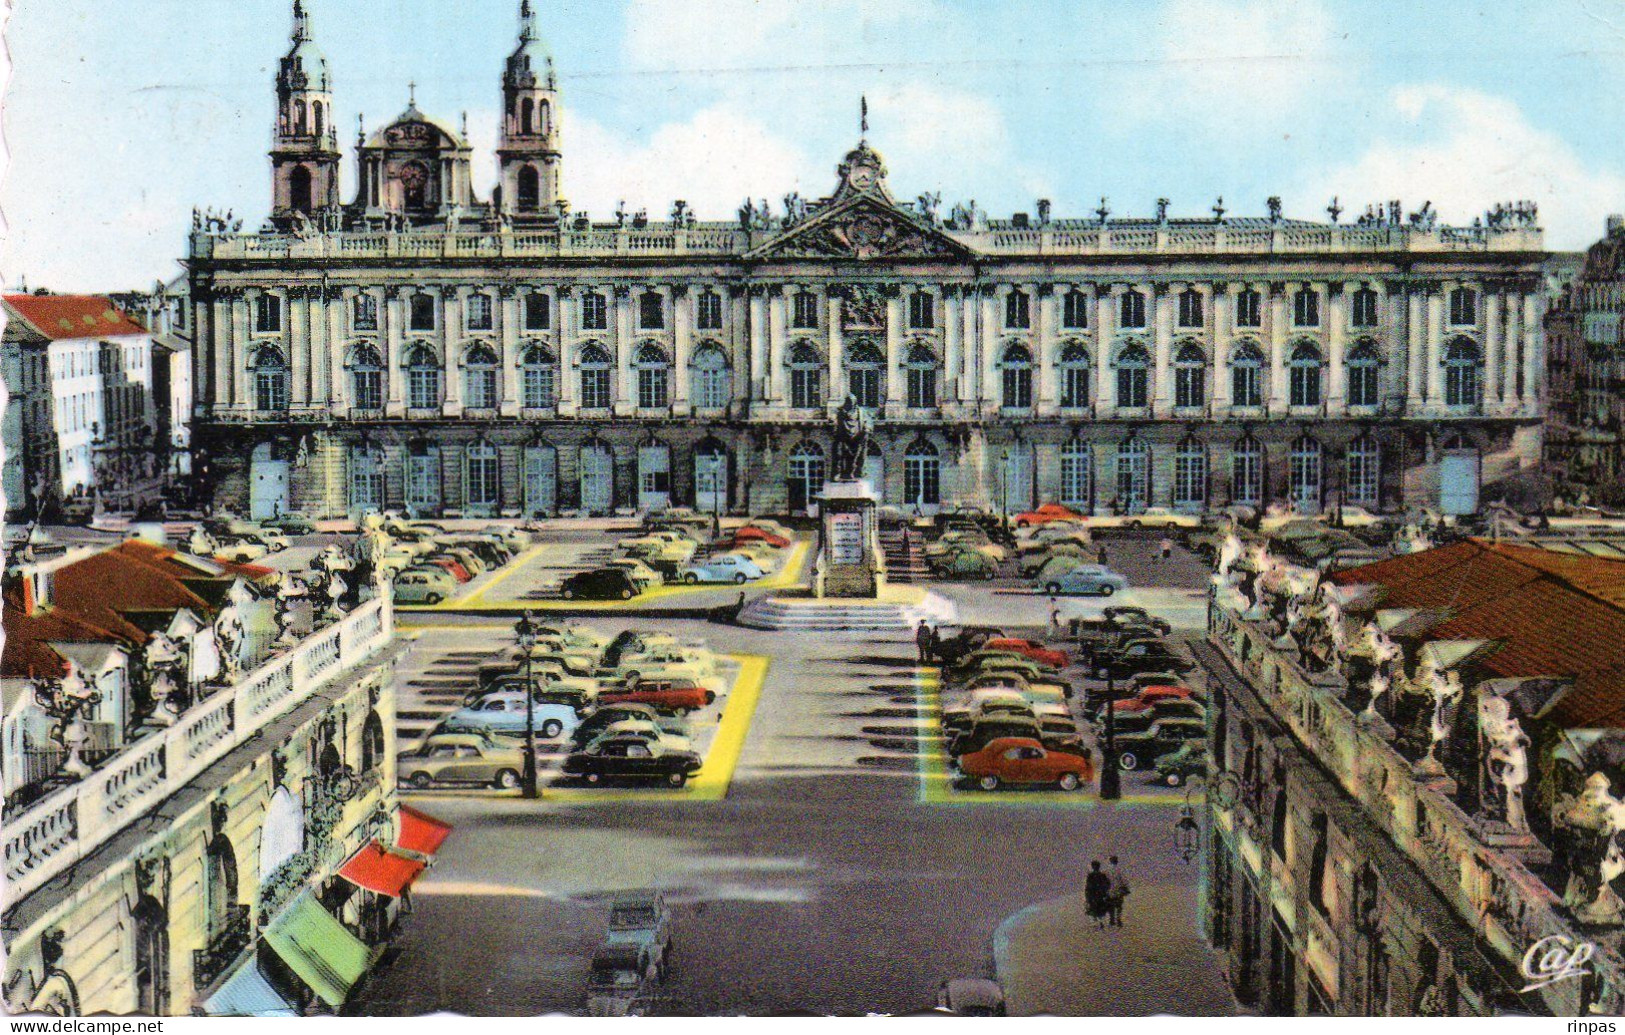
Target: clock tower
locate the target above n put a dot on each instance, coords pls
(529, 152)
(305, 157)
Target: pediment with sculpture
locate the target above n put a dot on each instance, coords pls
(864, 229)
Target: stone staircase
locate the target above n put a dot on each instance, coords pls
(805, 613)
(905, 555)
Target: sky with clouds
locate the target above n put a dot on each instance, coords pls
(119, 118)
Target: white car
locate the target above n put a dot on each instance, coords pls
(1161, 517)
(1359, 517)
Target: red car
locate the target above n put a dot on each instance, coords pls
(455, 567)
(673, 695)
(1045, 514)
(752, 534)
(1029, 649)
(1151, 695)
(1022, 760)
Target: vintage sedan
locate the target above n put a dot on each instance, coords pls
(632, 757)
(1137, 748)
(673, 694)
(1185, 762)
(1056, 558)
(1136, 656)
(646, 577)
(553, 715)
(652, 729)
(607, 715)
(760, 534)
(1024, 760)
(1162, 517)
(966, 539)
(983, 703)
(428, 585)
(964, 563)
(725, 567)
(1056, 659)
(1092, 579)
(1046, 514)
(291, 524)
(599, 584)
(451, 566)
(241, 549)
(461, 758)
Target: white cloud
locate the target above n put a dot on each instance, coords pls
(1465, 151)
(742, 33)
(937, 138)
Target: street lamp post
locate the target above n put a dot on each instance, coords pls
(1004, 490)
(1111, 781)
(524, 632)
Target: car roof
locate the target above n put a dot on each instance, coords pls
(457, 739)
(1005, 743)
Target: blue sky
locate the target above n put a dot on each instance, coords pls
(121, 117)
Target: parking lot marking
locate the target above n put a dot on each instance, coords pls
(514, 567)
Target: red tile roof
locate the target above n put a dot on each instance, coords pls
(1549, 614)
(59, 317)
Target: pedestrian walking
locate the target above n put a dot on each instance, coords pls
(922, 640)
(1117, 891)
(1100, 556)
(1097, 888)
(1054, 617)
(1167, 548)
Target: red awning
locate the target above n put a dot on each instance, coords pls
(377, 869)
(421, 833)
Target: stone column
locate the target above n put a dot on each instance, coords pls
(299, 347)
(1514, 338)
(1047, 396)
(1223, 337)
(1435, 345)
(335, 391)
(682, 323)
(970, 348)
(1492, 350)
(624, 395)
(242, 389)
(1413, 350)
(451, 324)
(952, 350)
(992, 321)
(1337, 300)
(760, 371)
(568, 312)
(1278, 395)
(508, 319)
(1105, 302)
(1533, 351)
(393, 314)
(1162, 330)
(777, 346)
(837, 353)
(894, 352)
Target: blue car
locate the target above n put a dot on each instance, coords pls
(1086, 579)
(728, 567)
(504, 713)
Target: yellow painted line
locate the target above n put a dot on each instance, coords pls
(514, 567)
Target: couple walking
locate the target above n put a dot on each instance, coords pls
(1104, 892)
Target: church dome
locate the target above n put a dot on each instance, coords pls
(305, 67)
(531, 64)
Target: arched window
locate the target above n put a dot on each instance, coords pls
(318, 119)
(480, 379)
(1463, 307)
(1247, 375)
(806, 476)
(1018, 310)
(301, 191)
(1077, 475)
(1075, 310)
(1363, 308)
(1074, 365)
(268, 314)
(922, 311)
(1306, 308)
(922, 378)
(1190, 376)
(270, 380)
(597, 477)
(372, 743)
(422, 479)
(1363, 366)
(422, 379)
(1133, 476)
(483, 481)
(711, 477)
(1131, 309)
(220, 893)
(654, 378)
(594, 311)
(529, 182)
(866, 375)
(595, 365)
(1190, 476)
(1191, 308)
(1249, 308)
(1461, 373)
(282, 835)
(421, 315)
(364, 315)
(301, 121)
(1247, 472)
(1016, 367)
(1303, 372)
(1133, 376)
(366, 378)
(527, 117)
(1303, 475)
(806, 377)
(651, 311)
(541, 480)
(1363, 476)
(922, 475)
(711, 381)
(366, 478)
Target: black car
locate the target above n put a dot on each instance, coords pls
(632, 757)
(607, 715)
(1129, 615)
(1137, 656)
(599, 584)
(1138, 749)
(950, 649)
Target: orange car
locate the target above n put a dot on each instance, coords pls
(1045, 514)
(753, 534)
(1022, 760)
(1029, 649)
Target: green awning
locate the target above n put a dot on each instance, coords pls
(317, 947)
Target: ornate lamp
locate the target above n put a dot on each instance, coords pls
(525, 634)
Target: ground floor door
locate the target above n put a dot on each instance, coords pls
(267, 485)
(874, 472)
(541, 481)
(1018, 480)
(597, 479)
(1458, 482)
(423, 481)
(654, 477)
(711, 482)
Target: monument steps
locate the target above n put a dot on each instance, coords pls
(827, 615)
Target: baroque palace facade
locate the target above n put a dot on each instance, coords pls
(421, 348)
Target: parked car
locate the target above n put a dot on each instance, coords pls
(1049, 512)
(1136, 656)
(1056, 659)
(1181, 764)
(607, 715)
(966, 539)
(721, 568)
(554, 715)
(1162, 517)
(964, 563)
(1160, 708)
(951, 648)
(1093, 579)
(461, 758)
(451, 565)
(240, 549)
(1129, 701)
(1137, 748)
(674, 694)
(1124, 614)
(621, 982)
(1052, 559)
(983, 703)
(291, 524)
(971, 997)
(642, 574)
(423, 586)
(987, 660)
(599, 584)
(641, 918)
(1025, 760)
(632, 757)
(760, 534)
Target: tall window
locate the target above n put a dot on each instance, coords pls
(865, 375)
(1303, 475)
(530, 187)
(1077, 475)
(1306, 308)
(1018, 310)
(708, 311)
(1363, 370)
(922, 378)
(1131, 309)
(1247, 375)
(595, 365)
(365, 312)
(806, 377)
(1190, 376)
(539, 379)
(922, 475)
(366, 478)
(1247, 472)
(1017, 370)
(480, 312)
(420, 313)
(806, 476)
(710, 385)
(422, 379)
(594, 311)
(1075, 310)
(1364, 471)
(1249, 308)
(221, 893)
(480, 379)
(1463, 307)
(1133, 476)
(651, 311)
(1075, 377)
(484, 478)
(1191, 309)
(1461, 373)
(804, 311)
(366, 378)
(1303, 372)
(270, 380)
(268, 314)
(1190, 475)
(922, 311)
(654, 378)
(538, 312)
(1133, 376)
(1363, 308)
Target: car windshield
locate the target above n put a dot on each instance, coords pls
(633, 917)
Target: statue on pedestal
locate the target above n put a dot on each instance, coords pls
(1591, 822)
(851, 443)
(1506, 761)
(165, 663)
(66, 700)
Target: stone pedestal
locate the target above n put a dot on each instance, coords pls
(849, 563)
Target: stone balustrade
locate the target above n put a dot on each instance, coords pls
(61, 828)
